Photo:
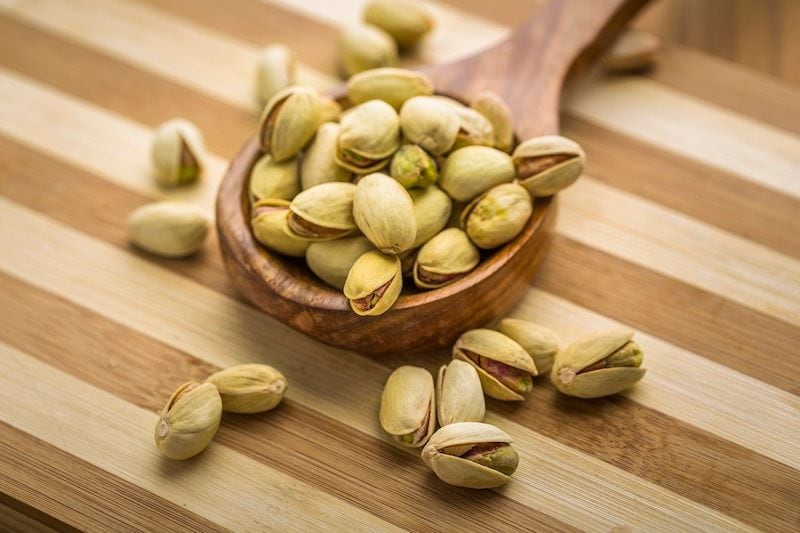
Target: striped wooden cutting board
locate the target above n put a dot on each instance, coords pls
(686, 228)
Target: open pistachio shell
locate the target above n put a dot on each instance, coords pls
(408, 406)
(459, 394)
(407, 21)
(189, 420)
(501, 363)
(322, 212)
(368, 136)
(430, 123)
(373, 283)
(249, 388)
(275, 70)
(475, 129)
(268, 219)
(472, 170)
(432, 209)
(364, 47)
(546, 165)
(270, 179)
(177, 153)
(494, 108)
(332, 260)
(444, 259)
(497, 216)
(384, 212)
(392, 85)
(540, 342)
(319, 161)
(289, 121)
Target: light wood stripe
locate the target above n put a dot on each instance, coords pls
(107, 432)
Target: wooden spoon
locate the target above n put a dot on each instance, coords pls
(528, 69)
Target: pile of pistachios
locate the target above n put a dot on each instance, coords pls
(502, 365)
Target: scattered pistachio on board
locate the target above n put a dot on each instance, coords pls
(364, 47)
(189, 420)
(275, 71)
(249, 388)
(177, 153)
(408, 406)
(634, 51)
(168, 229)
(407, 21)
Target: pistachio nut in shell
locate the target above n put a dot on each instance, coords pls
(364, 47)
(459, 396)
(432, 210)
(392, 85)
(505, 368)
(546, 165)
(332, 260)
(177, 153)
(497, 216)
(474, 129)
(444, 259)
(373, 283)
(494, 108)
(598, 365)
(319, 161)
(289, 121)
(322, 212)
(168, 229)
(407, 21)
(268, 217)
(634, 51)
(384, 213)
(275, 71)
(331, 110)
(472, 170)
(189, 420)
(540, 342)
(474, 455)
(368, 135)
(412, 167)
(249, 388)
(408, 406)
(431, 124)
(270, 179)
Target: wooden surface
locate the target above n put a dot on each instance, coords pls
(685, 228)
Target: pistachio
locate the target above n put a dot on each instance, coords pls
(289, 121)
(444, 259)
(432, 209)
(392, 85)
(497, 216)
(384, 213)
(275, 71)
(251, 388)
(319, 161)
(546, 165)
(540, 342)
(408, 406)
(599, 365)
(634, 51)
(407, 21)
(494, 108)
(459, 394)
(469, 171)
(322, 212)
(429, 123)
(168, 229)
(472, 455)
(189, 420)
(365, 47)
(505, 368)
(474, 129)
(268, 218)
(413, 167)
(177, 152)
(373, 283)
(331, 110)
(270, 179)
(369, 135)
(332, 260)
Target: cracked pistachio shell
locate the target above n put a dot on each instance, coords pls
(407, 21)
(331, 110)
(448, 450)
(634, 51)
(412, 167)
(275, 71)
(493, 347)
(369, 134)
(332, 260)
(177, 153)
(546, 165)
(373, 283)
(432, 210)
(430, 123)
(475, 129)
(268, 218)
(322, 212)
(444, 259)
(189, 420)
(494, 108)
(168, 229)
(472, 170)
(598, 365)
(384, 213)
(319, 161)
(392, 85)
(270, 179)
(540, 342)
(364, 47)
(459, 394)
(250, 388)
(289, 121)
(497, 216)
(408, 406)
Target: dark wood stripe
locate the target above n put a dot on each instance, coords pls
(19, 517)
(77, 493)
(302, 443)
